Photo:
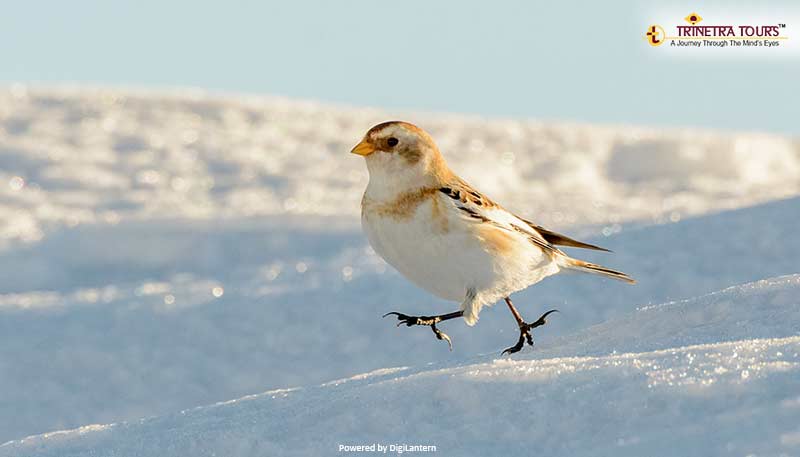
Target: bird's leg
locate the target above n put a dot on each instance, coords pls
(429, 321)
(524, 327)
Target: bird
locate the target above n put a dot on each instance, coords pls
(448, 238)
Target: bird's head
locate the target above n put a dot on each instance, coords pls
(400, 154)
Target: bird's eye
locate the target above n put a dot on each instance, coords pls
(392, 142)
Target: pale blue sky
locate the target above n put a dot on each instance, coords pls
(581, 61)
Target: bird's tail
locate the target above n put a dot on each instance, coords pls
(586, 267)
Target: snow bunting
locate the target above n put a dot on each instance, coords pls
(450, 239)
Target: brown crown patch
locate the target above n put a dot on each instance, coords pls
(383, 125)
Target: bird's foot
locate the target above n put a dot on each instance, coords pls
(430, 321)
(525, 332)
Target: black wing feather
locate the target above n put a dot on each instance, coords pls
(562, 240)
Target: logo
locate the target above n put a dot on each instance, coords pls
(693, 18)
(716, 36)
(655, 35)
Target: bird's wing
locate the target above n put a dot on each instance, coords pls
(476, 208)
(561, 240)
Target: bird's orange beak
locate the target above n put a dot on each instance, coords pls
(364, 148)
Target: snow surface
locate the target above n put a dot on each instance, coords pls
(718, 374)
(160, 252)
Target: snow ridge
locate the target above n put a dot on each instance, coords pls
(705, 382)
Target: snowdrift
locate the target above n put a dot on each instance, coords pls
(714, 375)
(111, 156)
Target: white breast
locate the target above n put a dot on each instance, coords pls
(448, 263)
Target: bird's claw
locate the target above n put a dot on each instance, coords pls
(542, 319)
(440, 335)
(422, 320)
(404, 318)
(414, 320)
(525, 333)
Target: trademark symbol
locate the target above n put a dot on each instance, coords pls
(783, 26)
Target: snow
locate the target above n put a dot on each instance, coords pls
(109, 156)
(703, 375)
(161, 252)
